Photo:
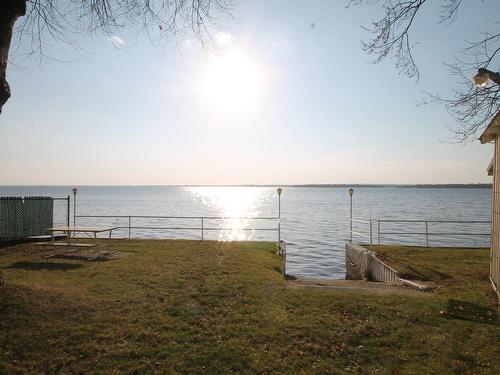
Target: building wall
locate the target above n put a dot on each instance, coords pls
(495, 227)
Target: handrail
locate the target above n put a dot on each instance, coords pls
(185, 217)
(202, 226)
(196, 228)
(427, 232)
(369, 236)
(439, 234)
(360, 234)
(435, 221)
(360, 221)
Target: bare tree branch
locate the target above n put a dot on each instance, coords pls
(471, 107)
(49, 21)
(391, 34)
(55, 21)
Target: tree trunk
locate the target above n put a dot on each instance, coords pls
(10, 10)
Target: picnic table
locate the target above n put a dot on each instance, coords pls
(72, 230)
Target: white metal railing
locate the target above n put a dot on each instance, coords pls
(382, 272)
(427, 230)
(201, 220)
(363, 263)
(368, 235)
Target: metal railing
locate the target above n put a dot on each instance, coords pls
(382, 272)
(427, 232)
(368, 236)
(196, 219)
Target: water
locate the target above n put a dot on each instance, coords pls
(314, 220)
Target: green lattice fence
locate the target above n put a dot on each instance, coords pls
(23, 217)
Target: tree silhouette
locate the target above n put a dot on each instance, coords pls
(34, 21)
(472, 107)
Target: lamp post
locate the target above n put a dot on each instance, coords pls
(279, 214)
(484, 75)
(75, 190)
(351, 192)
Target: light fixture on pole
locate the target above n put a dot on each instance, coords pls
(279, 214)
(75, 190)
(483, 76)
(351, 192)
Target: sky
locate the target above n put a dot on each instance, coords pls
(287, 97)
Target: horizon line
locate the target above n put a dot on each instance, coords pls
(472, 184)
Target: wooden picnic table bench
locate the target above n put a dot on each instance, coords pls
(72, 231)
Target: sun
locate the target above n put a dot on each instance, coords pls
(232, 83)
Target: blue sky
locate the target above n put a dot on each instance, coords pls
(309, 107)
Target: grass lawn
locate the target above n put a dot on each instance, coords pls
(223, 307)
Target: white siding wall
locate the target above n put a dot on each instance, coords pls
(495, 227)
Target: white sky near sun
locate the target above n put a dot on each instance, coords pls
(287, 96)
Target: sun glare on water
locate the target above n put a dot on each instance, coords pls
(238, 205)
(232, 82)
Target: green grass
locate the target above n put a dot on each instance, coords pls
(220, 307)
(460, 273)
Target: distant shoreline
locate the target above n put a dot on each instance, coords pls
(433, 186)
(444, 186)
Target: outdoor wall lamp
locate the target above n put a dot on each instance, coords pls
(484, 75)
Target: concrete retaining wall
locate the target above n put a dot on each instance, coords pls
(362, 264)
(357, 260)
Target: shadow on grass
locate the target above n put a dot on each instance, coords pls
(428, 274)
(407, 271)
(471, 312)
(5, 244)
(413, 274)
(277, 269)
(47, 266)
(21, 241)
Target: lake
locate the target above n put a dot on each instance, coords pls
(314, 220)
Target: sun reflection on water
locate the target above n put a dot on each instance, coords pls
(238, 204)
